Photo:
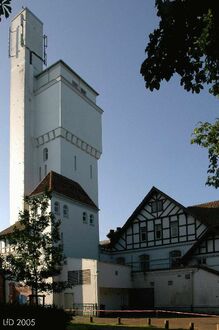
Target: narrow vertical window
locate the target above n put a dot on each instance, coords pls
(158, 231)
(84, 217)
(75, 163)
(91, 171)
(65, 211)
(91, 219)
(57, 208)
(174, 228)
(143, 234)
(45, 170)
(40, 174)
(45, 154)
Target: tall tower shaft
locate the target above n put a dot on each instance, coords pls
(25, 42)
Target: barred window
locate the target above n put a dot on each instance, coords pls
(79, 277)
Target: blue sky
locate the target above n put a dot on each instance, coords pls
(146, 135)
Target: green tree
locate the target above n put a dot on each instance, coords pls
(5, 8)
(37, 252)
(187, 43)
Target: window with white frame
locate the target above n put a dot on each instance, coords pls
(84, 217)
(45, 154)
(174, 229)
(158, 231)
(57, 208)
(65, 211)
(143, 234)
(157, 206)
(91, 219)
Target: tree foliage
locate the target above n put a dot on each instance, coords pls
(5, 8)
(36, 250)
(187, 43)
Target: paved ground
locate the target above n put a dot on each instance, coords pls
(203, 323)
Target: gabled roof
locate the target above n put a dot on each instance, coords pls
(58, 183)
(153, 191)
(207, 213)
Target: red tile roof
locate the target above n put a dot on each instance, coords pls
(58, 183)
(207, 213)
(10, 229)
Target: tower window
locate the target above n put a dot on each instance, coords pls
(45, 169)
(157, 206)
(45, 154)
(84, 217)
(56, 208)
(75, 163)
(65, 211)
(91, 219)
(91, 171)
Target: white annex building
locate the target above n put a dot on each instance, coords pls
(165, 256)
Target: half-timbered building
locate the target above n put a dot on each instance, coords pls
(166, 247)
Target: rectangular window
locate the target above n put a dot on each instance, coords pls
(75, 163)
(45, 170)
(157, 206)
(143, 234)
(158, 231)
(79, 277)
(91, 171)
(174, 229)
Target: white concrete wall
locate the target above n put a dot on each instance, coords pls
(171, 288)
(81, 294)
(206, 290)
(80, 240)
(114, 276)
(82, 173)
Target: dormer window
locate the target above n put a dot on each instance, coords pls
(65, 211)
(45, 154)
